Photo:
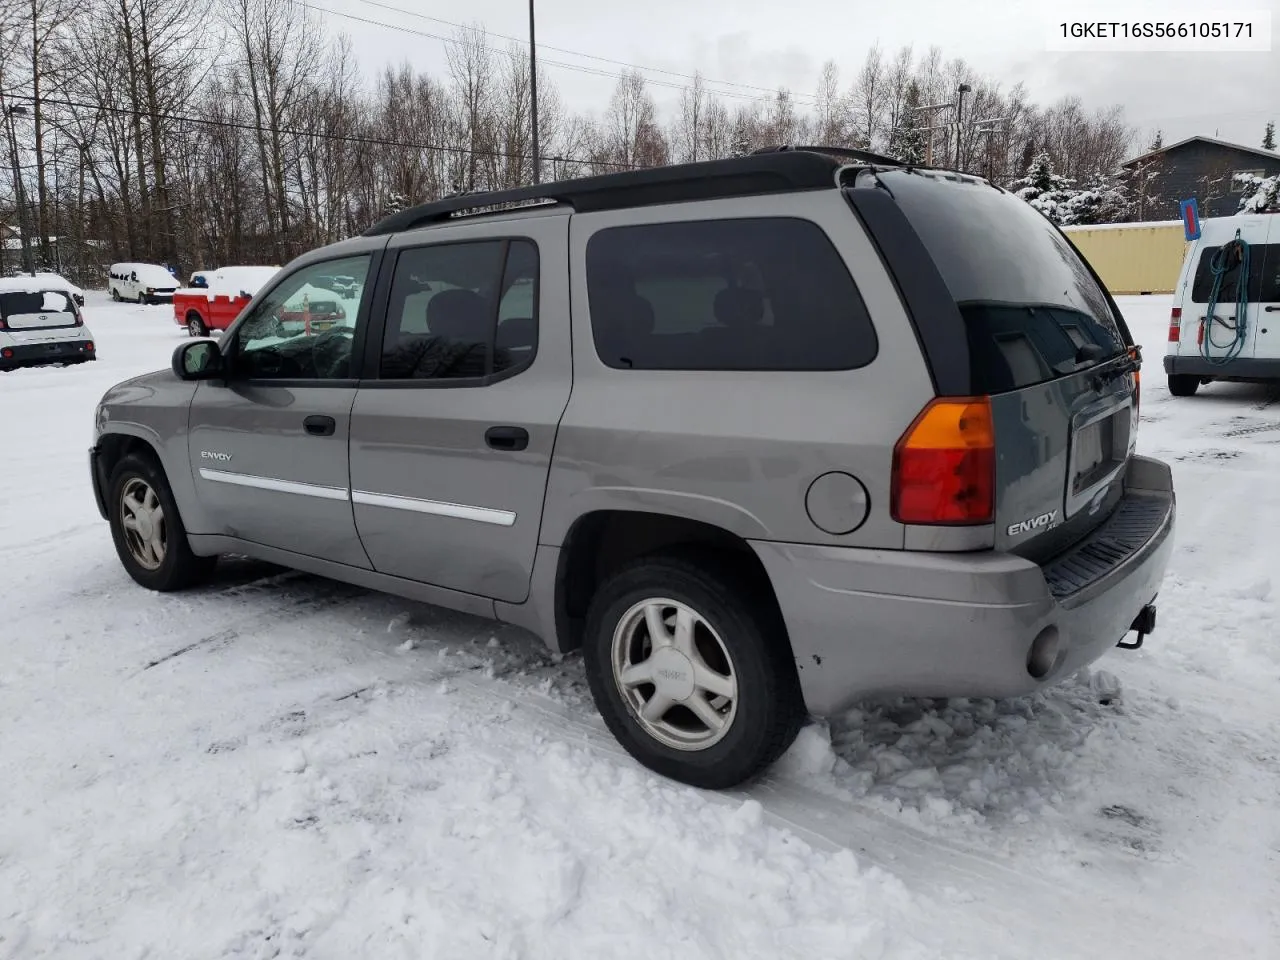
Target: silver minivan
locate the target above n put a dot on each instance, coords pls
(762, 437)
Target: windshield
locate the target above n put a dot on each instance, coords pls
(1032, 310)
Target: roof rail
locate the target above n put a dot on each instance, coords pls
(845, 153)
(776, 172)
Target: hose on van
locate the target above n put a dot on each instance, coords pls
(1234, 253)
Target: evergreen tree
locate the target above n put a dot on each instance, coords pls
(1269, 136)
(1045, 189)
(1261, 194)
(1157, 142)
(907, 141)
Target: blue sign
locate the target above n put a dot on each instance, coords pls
(1190, 213)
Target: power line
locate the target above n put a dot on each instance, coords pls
(577, 67)
(363, 141)
(766, 91)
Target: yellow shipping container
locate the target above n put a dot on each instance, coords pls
(1133, 257)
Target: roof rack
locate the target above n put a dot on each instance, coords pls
(777, 171)
(844, 153)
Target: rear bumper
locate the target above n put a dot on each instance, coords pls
(39, 354)
(1244, 368)
(868, 623)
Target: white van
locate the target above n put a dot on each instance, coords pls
(143, 282)
(1226, 349)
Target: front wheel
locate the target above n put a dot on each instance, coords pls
(115, 294)
(691, 672)
(1183, 384)
(147, 529)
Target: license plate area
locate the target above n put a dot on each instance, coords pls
(1099, 449)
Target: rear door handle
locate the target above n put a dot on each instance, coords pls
(507, 438)
(320, 426)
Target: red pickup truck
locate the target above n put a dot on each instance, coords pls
(216, 304)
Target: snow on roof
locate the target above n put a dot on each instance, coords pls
(232, 281)
(1122, 226)
(40, 282)
(1257, 151)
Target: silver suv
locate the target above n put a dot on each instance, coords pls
(761, 436)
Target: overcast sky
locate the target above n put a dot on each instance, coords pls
(753, 45)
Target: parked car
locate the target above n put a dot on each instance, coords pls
(763, 437)
(341, 285)
(54, 281)
(1238, 345)
(216, 297)
(141, 282)
(41, 325)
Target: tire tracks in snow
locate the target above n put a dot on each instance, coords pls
(963, 879)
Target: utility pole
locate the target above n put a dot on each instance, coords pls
(960, 92)
(928, 150)
(985, 128)
(533, 94)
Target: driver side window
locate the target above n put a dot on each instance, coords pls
(304, 328)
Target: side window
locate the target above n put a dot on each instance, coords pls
(757, 294)
(302, 330)
(462, 311)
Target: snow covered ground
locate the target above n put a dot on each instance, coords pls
(280, 766)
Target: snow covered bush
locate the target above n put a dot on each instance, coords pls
(1104, 199)
(1261, 194)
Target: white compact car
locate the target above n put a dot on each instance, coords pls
(40, 326)
(143, 282)
(1234, 267)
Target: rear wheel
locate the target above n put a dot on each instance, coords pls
(1183, 384)
(196, 327)
(147, 529)
(690, 671)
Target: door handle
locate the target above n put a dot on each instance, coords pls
(507, 438)
(320, 426)
(1272, 307)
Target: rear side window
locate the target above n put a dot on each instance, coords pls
(462, 311)
(1264, 275)
(1029, 303)
(753, 294)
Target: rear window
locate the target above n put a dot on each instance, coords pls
(1028, 300)
(1264, 275)
(20, 303)
(746, 294)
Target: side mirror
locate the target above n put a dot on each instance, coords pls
(201, 360)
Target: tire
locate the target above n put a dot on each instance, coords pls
(115, 294)
(736, 629)
(140, 479)
(196, 327)
(1183, 384)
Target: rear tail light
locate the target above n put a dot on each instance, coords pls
(6, 353)
(89, 346)
(1135, 354)
(1200, 334)
(3, 325)
(1175, 324)
(944, 466)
